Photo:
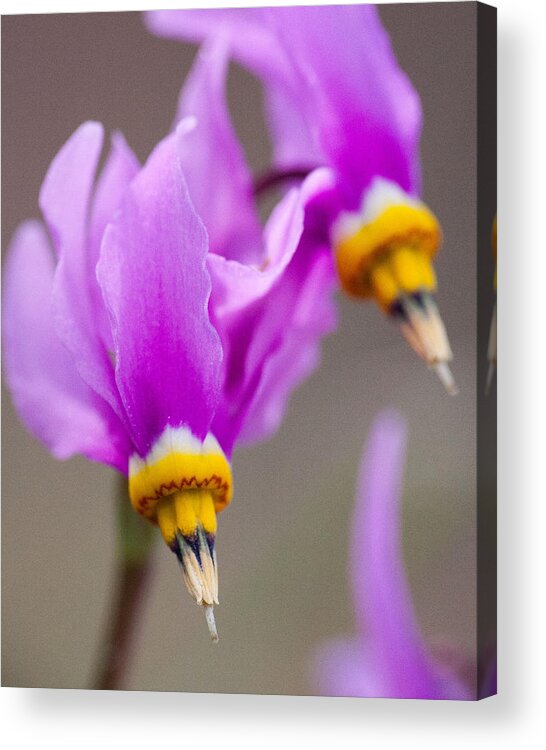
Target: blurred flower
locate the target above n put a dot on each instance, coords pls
(389, 657)
(138, 345)
(336, 97)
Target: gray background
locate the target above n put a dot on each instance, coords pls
(280, 594)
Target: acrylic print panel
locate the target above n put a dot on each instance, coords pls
(238, 406)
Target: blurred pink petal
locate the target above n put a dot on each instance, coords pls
(51, 398)
(213, 160)
(65, 201)
(390, 654)
(336, 98)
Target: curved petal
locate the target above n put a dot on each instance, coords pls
(360, 106)
(254, 43)
(237, 285)
(155, 282)
(294, 144)
(381, 594)
(251, 40)
(294, 344)
(52, 400)
(120, 168)
(213, 161)
(271, 328)
(65, 200)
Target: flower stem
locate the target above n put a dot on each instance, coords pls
(135, 543)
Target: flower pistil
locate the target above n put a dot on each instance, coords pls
(181, 485)
(384, 251)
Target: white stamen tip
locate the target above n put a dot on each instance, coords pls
(211, 622)
(446, 377)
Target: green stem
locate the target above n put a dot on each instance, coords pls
(135, 542)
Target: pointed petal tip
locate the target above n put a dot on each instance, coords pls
(390, 420)
(211, 623)
(445, 375)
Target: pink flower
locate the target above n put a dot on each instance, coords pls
(149, 323)
(389, 657)
(336, 98)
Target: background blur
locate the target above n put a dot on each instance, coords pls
(281, 594)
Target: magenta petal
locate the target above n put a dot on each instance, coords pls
(250, 38)
(52, 400)
(294, 144)
(344, 667)
(66, 191)
(236, 284)
(155, 282)
(381, 593)
(359, 107)
(253, 40)
(213, 161)
(293, 344)
(271, 327)
(120, 168)
(65, 200)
